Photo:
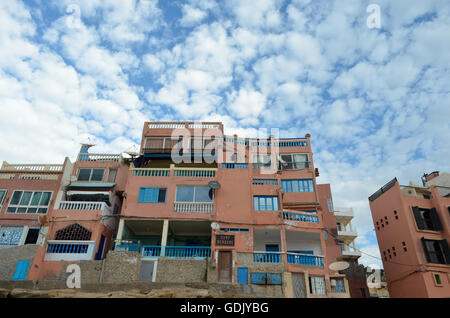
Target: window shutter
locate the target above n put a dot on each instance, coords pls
(445, 251)
(425, 249)
(437, 226)
(141, 195)
(418, 217)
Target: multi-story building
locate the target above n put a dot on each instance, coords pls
(252, 207)
(413, 227)
(194, 205)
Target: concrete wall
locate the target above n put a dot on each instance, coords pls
(122, 267)
(10, 256)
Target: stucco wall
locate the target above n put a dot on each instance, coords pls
(122, 267)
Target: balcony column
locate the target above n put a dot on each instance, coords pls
(164, 237)
(283, 247)
(120, 230)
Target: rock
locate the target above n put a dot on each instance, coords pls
(4, 292)
(24, 293)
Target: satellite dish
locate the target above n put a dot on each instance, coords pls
(214, 184)
(338, 266)
(214, 226)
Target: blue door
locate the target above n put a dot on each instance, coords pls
(21, 270)
(243, 275)
(99, 254)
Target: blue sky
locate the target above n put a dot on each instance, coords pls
(375, 100)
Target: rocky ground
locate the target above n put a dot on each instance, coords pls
(157, 293)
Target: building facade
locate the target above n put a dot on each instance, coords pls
(193, 205)
(412, 226)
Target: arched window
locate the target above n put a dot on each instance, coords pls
(73, 232)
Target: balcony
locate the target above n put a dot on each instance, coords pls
(31, 167)
(200, 207)
(150, 172)
(195, 252)
(346, 234)
(102, 157)
(267, 257)
(300, 217)
(69, 250)
(305, 259)
(195, 172)
(177, 172)
(354, 254)
(343, 214)
(84, 206)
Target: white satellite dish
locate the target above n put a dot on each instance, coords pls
(339, 266)
(214, 226)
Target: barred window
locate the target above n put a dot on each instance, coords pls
(73, 232)
(317, 285)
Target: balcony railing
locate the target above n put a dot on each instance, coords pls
(201, 207)
(302, 217)
(235, 165)
(305, 259)
(151, 172)
(83, 206)
(36, 176)
(176, 251)
(98, 157)
(69, 250)
(343, 212)
(195, 172)
(265, 181)
(267, 257)
(31, 167)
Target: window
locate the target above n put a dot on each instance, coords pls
(427, 219)
(262, 161)
(90, 174)
(338, 285)
(163, 143)
(194, 194)
(436, 251)
(2, 196)
(265, 203)
(298, 185)
(363, 292)
(112, 175)
(152, 195)
(29, 202)
(317, 285)
(73, 232)
(437, 280)
(32, 236)
(294, 161)
(330, 205)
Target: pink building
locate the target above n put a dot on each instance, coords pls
(413, 228)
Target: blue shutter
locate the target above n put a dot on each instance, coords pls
(141, 195)
(258, 278)
(148, 195)
(21, 270)
(274, 279)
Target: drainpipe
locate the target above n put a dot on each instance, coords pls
(101, 272)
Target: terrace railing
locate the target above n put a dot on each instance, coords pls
(301, 217)
(58, 250)
(201, 207)
(305, 259)
(267, 257)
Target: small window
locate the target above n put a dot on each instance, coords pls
(317, 285)
(363, 292)
(403, 243)
(152, 195)
(265, 203)
(112, 175)
(2, 196)
(437, 280)
(405, 249)
(202, 194)
(32, 236)
(85, 174)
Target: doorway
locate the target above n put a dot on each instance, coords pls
(225, 266)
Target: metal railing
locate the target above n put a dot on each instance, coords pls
(31, 167)
(305, 259)
(267, 257)
(187, 251)
(201, 207)
(235, 165)
(35, 176)
(69, 250)
(302, 217)
(151, 251)
(265, 181)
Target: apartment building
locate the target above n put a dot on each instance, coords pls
(412, 226)
(192, 205)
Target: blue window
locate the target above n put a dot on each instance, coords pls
(152, 195)
(21, 270)
(265, 203)
(298, 185)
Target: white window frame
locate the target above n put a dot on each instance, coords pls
(293, 162)
(317, 285)
(259, 164)
(194, 186)
(4, 196)
(17, 206)
(90, 175)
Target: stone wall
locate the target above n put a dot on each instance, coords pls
(121, 267)
(10, 256)
(181, 270)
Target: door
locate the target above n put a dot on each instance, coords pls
(243, 275)
(21, 270)
(299, 285)
(32, 236)
(99, 254)
(146, 271)
(225, 266)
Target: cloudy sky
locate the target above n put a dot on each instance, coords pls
(375, 100)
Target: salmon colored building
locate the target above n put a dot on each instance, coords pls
(413, 229)
(251, 207)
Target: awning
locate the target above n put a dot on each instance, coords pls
(91, 185)
(106, 193)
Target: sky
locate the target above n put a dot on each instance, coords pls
(374, 97)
